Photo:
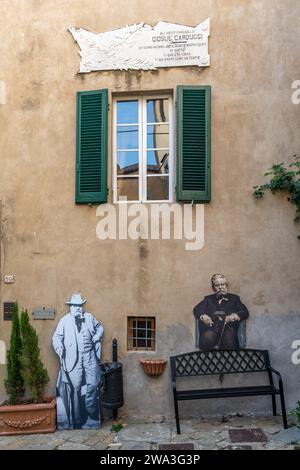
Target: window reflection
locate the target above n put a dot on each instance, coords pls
(127, 163)
(157, 161)
(127, 137)
(158, 136)
(127, 112)
(158, 110)
(142, 150)
(128, 187)
(157, 188)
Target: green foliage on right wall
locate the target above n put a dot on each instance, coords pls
(283, 179)
(296, 412)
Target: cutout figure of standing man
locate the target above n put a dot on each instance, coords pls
(77, 343)
(219, 317)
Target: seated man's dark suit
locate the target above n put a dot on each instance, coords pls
(220, 335)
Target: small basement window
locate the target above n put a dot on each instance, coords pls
(8, 310)
(141, 334)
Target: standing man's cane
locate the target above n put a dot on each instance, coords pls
(66, 389)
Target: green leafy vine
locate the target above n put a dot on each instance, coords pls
(283, 179)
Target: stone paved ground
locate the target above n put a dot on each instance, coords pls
(139, 434)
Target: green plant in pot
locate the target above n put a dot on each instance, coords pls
(25, 370)
(296, 412)
(32, 369)
(14, 384)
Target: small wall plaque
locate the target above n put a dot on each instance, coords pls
(43, 313)
(9, 279)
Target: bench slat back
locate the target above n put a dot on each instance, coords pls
(222, 361)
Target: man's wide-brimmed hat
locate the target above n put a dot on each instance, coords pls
(76, 299)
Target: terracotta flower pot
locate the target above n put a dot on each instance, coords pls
(154, 367)
(28, 418)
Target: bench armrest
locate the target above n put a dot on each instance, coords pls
(276, 372)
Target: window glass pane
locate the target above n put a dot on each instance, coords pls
(127, 137)
(128, 187)
(141, 324)
(157, 188)
(127, 163)
(141, 333)
(158, 110)
(127, 112)
(158, 136)
(157, 161)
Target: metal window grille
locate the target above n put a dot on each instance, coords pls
(141, 334)
(8, 308)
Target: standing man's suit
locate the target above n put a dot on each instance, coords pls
(79, 339)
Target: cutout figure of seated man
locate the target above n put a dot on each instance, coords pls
(220, 315)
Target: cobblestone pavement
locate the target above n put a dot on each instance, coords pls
(138, 434)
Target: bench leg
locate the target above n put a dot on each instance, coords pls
(274, 405)
(284, 418)
(176, 415)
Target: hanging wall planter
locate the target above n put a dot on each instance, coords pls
(153, 367)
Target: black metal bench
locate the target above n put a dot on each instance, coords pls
(221, 362)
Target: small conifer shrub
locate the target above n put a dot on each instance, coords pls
(14, 383)
(33, 371)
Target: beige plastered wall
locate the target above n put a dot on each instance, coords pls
(49, 244)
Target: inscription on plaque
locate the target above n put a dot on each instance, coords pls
(43, 313)
(143, 47)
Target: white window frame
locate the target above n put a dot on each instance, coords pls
(142, 181)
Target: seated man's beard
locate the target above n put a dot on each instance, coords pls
(221, 297)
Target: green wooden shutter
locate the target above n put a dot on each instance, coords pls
(193, 143)
(91, 147)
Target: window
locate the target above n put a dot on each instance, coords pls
(143, 149)
(141, 334)
(8, 310)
